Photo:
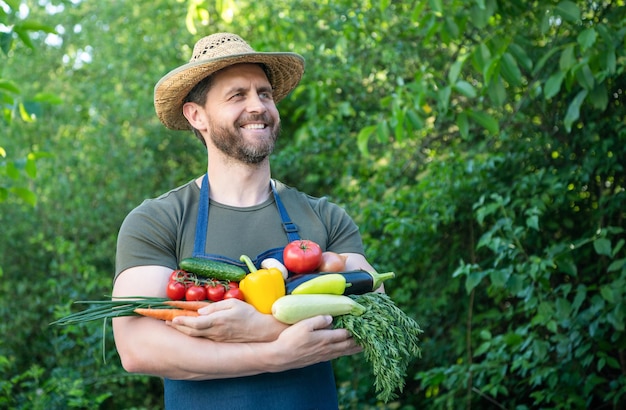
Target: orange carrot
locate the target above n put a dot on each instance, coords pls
(165, 314)
(187, 304)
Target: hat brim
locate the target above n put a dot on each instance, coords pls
(286, 70)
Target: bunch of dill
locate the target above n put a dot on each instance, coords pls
(389, 339)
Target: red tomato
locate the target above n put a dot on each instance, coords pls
(175, 290)
(233, 284)
(235, 293)
(302, 256)
(179, 275)
(216, 292)
(195, 292)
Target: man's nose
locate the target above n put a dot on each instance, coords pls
(256, 104)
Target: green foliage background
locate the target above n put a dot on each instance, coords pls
(479, 145)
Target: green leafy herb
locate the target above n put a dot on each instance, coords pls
(389, 339)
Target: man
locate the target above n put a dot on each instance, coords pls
(232, 356)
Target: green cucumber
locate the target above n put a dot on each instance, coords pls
(211, 269)
(294, 308)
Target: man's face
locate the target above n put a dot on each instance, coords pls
(243, 120)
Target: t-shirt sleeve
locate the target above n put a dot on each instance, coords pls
(147, 237)
(343, 233)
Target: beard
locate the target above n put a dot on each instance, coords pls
(230, 140)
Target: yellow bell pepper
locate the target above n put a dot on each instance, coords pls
(261, 288)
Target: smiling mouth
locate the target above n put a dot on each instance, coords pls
(254, 126)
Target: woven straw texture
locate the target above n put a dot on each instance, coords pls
(211, 54)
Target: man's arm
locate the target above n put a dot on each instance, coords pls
(150, 346)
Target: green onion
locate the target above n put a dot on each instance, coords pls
(115, 307)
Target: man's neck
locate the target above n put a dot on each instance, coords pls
(239, 185)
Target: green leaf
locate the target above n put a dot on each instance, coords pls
(486, 120)
(584, 76)
(521, 56)
(6, 42)
(544, 59)
(587, 38)
(499, 277)
(567, 59)
(9, 86)
(563, 308)
(599, 97)
(28, 25)
(466, 89)
(25, 194)
(463, 124)
(481, 57)
(363, 139)
(607, 293)
(497, 91)
(12, 171)
(414, 119)
(602, 246)
(573, 111)
(24, 114)
(568, 10)
(610, 61)
(443, 98)
(616, 265)
(31, 167)
(455, 70)
(533, 222)
(483, 348)
(14, 4)
(436, 5)
(510, 70)
(473, 279)
(553, 84)
(47, 98)
(24, 35)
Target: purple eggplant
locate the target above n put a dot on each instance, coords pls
(358, 282)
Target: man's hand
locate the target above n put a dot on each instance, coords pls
(312, 341)
(230, 320)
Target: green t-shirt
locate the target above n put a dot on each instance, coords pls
(161, 231)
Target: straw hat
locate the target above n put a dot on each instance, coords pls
(210, 54)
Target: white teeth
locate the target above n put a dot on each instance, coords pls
(254, 126)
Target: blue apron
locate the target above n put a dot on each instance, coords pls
(312, 387)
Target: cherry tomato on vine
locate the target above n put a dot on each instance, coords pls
(175, 290)
(215, 292)
(195, 292)
(179, 275)
(234, 293)
(233, 284)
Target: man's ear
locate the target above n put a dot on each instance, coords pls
(195, 115)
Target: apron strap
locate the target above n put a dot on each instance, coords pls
(290, 228)
(202, 221)
(199, 244)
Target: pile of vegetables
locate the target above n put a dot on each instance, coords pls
(309, 283)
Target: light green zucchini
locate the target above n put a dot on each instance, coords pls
(294, 308)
